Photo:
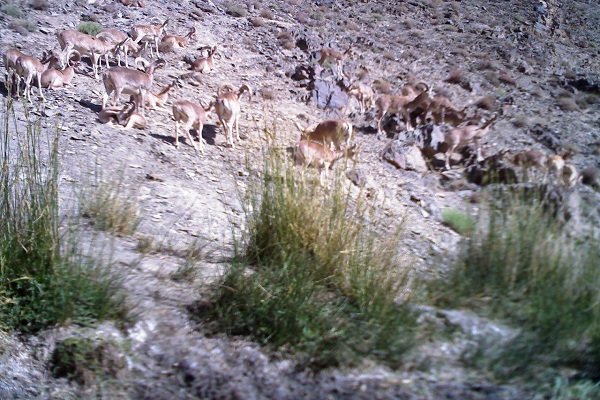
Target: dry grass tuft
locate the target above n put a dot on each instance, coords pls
(567, 104)
(505, 78)
(486, 103)
(256, 21)
(268, 94)
(520, 121)
(266, 14)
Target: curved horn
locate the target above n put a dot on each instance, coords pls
(77, 57)
(145, 63)
(160, 63)
(423, 84)
(245, 88)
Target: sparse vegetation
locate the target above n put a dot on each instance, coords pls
(90, 27)
(44, 278)
(109, 209)
(186, 272)
(458, 221)
(24, 27)
(309, 276)
(12, 10)
(567, 104)
(486, 103)
(268, 94)
(85, 360)
(256, 21)
(520, 121)
(286, 40)
(40, 5)
(492, 77)
(520, 264)
(235, 9)
(266, 14)
(145, 245)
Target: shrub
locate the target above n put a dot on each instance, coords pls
(256, 21)
(44, 278)
(235, 10)
(12, 10)
(310, 277)
(567, 104)
(266, 14)
(520, 264)
(40, 5)
(90, 27)
(108, 208)
(85, 360)
(458, 221)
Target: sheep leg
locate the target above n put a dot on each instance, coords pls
(176, 134)
(39, 81)
(191, 139)
(28, 87)
(380, 122)
(199, 129)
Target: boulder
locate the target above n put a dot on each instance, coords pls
(405, 157)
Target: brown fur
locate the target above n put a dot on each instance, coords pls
(188, 115)
(310, 153)
(465, 135)
(227, 107)
(396, 103)
(329, 133)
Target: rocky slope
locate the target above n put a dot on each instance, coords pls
(538, 62)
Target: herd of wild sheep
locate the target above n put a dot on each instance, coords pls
(319, 146)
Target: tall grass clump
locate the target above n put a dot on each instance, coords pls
(521, 264)
(312, 277)
(44, 279)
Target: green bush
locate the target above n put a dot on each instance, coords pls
(309, 276)
(44, 278)
(520, 264)
(91, 28)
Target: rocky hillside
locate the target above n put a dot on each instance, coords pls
(532, 64)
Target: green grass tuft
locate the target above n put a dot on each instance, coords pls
(310, 277)
(44, 278)
(458, 221)
(91, 28)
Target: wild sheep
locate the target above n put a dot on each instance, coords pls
(465, 135)
(329, 133)
(188, 115)
(227, 107)
(396, 103)
(310, 153)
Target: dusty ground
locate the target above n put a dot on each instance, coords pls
(505, 50)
